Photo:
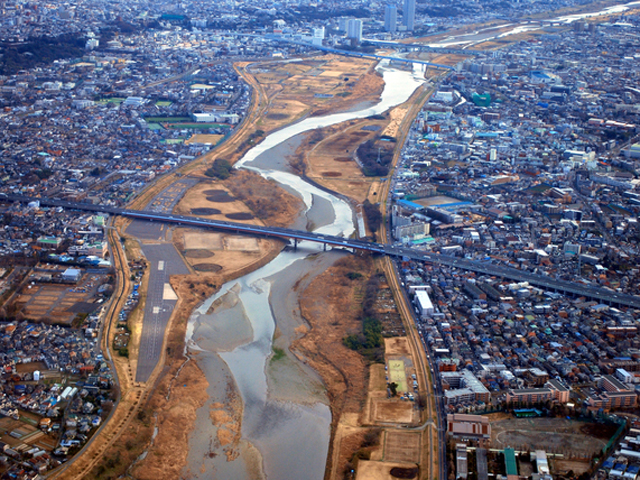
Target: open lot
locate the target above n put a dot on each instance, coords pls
(379, 470)
(331, 162)
(396, 346)
(402, 446)
(205, 200)
(555, 435)
(299, 88)
(209, 251)
(392, 410)
(437, 200)
(59, 303)
(204, 138)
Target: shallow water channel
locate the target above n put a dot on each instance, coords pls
(286, 417)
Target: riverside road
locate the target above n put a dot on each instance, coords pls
(594, 292)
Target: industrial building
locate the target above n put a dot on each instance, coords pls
(468, 426)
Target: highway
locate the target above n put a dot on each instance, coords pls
(593, 292)
(346, 53)
(425, 48)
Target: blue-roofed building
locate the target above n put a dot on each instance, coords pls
(617, 470)
(631, 473)
(409, 205)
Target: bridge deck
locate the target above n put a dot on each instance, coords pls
(547, 282)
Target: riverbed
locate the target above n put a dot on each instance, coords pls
(491, 33)
(285, 417)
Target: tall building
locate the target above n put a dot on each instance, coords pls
(390, 18)
(409, 14)
(342, 24)
(354, 29)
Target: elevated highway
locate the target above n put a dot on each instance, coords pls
(348, 53)
(425, 48)
(546, 282)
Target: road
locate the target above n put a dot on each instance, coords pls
(346, 53)
(164, 261)
(594, 292)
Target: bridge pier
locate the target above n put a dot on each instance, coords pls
(324, 247)
(295, 244)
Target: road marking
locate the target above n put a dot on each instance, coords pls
(169, 293)
(161, 265)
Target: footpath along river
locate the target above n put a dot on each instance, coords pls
(285, 413)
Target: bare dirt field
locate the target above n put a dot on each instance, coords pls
(199, 197)
(326, 84)
(377, 381)
(205, 139)
(335, 153)
(392, 411)
(380, 470)
(555, 435)
(402, 446)
(244, 197)
(559, 466)
(396, 116)
(222, 253)
(396, 346)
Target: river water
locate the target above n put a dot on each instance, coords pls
(286, 418)
(486, 34)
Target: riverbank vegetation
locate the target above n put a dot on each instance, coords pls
(369, 342)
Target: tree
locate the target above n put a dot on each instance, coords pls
(393, 387)
(373, 215)
(220, 169)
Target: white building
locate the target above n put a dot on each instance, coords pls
(423, 302)
(354, 29)
(409, 14)
(390, 18)
(71, 275)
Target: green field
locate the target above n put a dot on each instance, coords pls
(398, 375)
(167, 119)
(163, 103)
(115, 100)
(196, 126)
(172, 141)
(541, 188)
(154, 126)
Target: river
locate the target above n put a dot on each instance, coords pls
(286, 418)
(470, 39)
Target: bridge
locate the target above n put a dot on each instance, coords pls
(346, 53)
(546, 282)
(425, 48)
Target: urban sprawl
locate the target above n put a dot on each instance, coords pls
(525, 155)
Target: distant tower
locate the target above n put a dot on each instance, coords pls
(409, 14)
(390, 18)
(342, 24)
(354, 29)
